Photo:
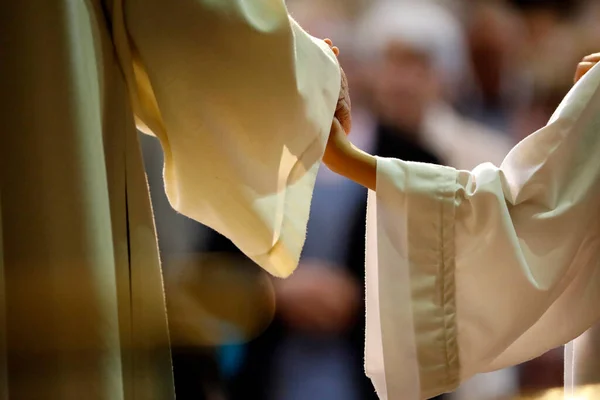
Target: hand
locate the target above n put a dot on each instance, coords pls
(345, 159)
(318, 299)
(585, 65)
(341, 156)
(344, 105)
(338, 147)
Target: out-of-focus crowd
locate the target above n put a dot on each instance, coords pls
(454, 82)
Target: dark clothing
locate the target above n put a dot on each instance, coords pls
(196, 373)
(254, 380)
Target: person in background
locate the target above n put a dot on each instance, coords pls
(498, 88)
(552, 43)
(429, 41)
(416, 59)
(300, 339)
(471, 271)
(315, 347)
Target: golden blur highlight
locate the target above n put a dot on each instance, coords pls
(60, 336)
(216, 299)
(56, 311)
(589, 392)
(211, 300)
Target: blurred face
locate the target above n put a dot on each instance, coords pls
(404, 86)
(495, 38)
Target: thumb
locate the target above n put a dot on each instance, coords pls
(582, 69)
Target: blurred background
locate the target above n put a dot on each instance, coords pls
(454, 82)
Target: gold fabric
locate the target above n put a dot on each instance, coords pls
(241, 99)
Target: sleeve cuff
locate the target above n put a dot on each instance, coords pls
(281, 260)
(410, 255)
(321, 92)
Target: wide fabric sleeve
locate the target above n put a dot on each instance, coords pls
(241, 99)
(469, 272)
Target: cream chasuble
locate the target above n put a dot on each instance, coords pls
(241, 99)
(469, 272)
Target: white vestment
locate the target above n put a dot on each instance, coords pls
(241, 99)
(469, 272)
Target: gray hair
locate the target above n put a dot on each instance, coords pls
(422, 24)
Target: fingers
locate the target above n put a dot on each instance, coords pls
(342, 112)
(335, 49)
(585, 65)
(582, 69)
(593, 58)
(343, 115)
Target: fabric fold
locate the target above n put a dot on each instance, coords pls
(481, 270)
(262, 122)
